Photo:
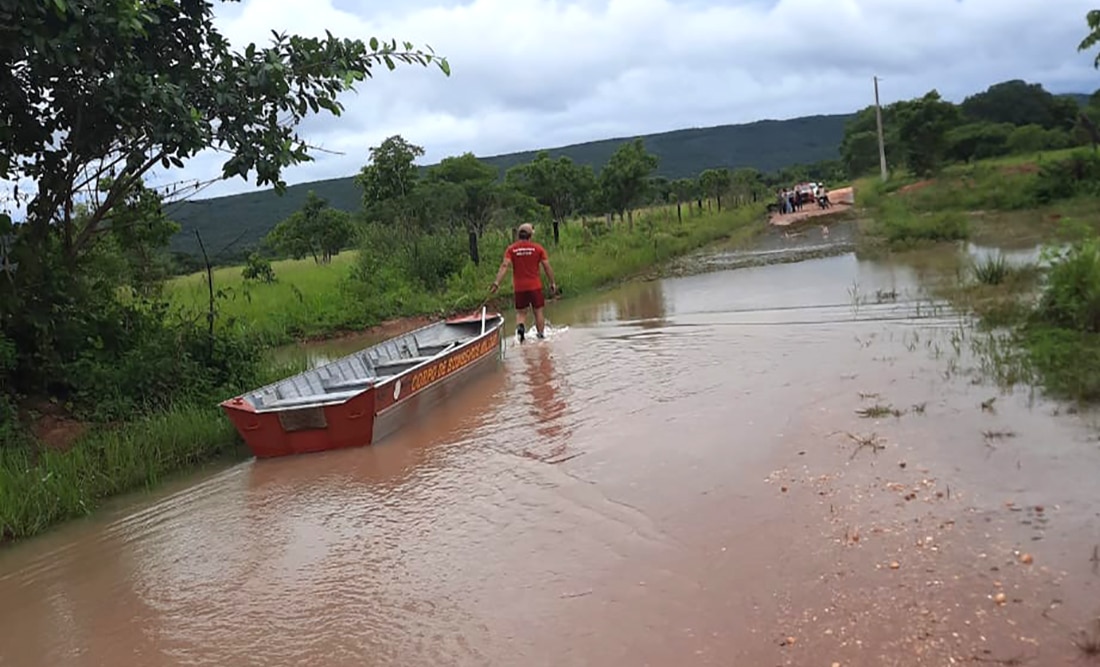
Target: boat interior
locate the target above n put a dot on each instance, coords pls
(340, 379)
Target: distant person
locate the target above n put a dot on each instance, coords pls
(525, 257)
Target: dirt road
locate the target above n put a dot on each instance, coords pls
(842, 199)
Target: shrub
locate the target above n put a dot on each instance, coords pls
(1071, 298)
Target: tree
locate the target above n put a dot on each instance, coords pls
(684, 190)
(140, 231)
(392, 172)
(859, 147)
(624, 178)
(714, 182)
(923, 126)
(977, 141)
(1020, 103)
(94, 96)
(114, 89)
(482, 193)
(560, 185)
(316, 230)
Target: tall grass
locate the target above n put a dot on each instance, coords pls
(355, 291)
(41, 486)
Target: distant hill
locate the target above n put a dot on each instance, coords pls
(232, 223)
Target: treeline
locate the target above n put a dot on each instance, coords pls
(922, 135)
(468, 193)
(233, 225)
(464, 195)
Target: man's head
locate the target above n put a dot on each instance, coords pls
(525, 231)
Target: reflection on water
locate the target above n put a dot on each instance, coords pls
(597, 500)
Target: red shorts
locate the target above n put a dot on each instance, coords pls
(533, 298)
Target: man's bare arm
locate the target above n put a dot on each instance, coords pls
(500, 274)
(549, 274)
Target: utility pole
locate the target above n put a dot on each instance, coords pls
(881, 142)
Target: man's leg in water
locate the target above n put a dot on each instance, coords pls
(521, 319)
(540, 321)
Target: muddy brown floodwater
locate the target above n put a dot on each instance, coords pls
(682, 476)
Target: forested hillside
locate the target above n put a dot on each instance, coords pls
(229, 225)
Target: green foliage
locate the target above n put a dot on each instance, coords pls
(923, 125)
(991, 270)
(924, 134)
(317, 231)
(714, 182)
(41, 487)
(1092, 19)
(135, 85)
(1027, 139)
(622, 182)
(1061, 334)
(392, 172)
(1071, 299)
(978, 141)
(1078, 174)
(258, 269)
(1019, 103)
(562, 186)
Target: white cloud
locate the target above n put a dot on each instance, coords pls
(541, 73)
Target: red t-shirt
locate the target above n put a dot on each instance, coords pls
(525, 257)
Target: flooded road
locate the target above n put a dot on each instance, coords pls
(775, 465)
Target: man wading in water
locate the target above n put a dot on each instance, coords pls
(525, 256)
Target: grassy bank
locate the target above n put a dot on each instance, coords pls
(310, 300)
(990, 198)
(42, 485)
(1046, 313)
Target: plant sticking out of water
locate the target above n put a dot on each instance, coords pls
(885, 296)
(872, 442)
(878, 410)
(990, 270)
(855, 297)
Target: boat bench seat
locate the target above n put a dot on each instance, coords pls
(332, 384)
(308, 401)
(435, 350)
(411, 361)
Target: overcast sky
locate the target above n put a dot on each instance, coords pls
(541, 73)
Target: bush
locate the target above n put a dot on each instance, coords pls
(1076, 175)
(258, 269)
(1071, 298)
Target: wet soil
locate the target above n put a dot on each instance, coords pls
(756, 466)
